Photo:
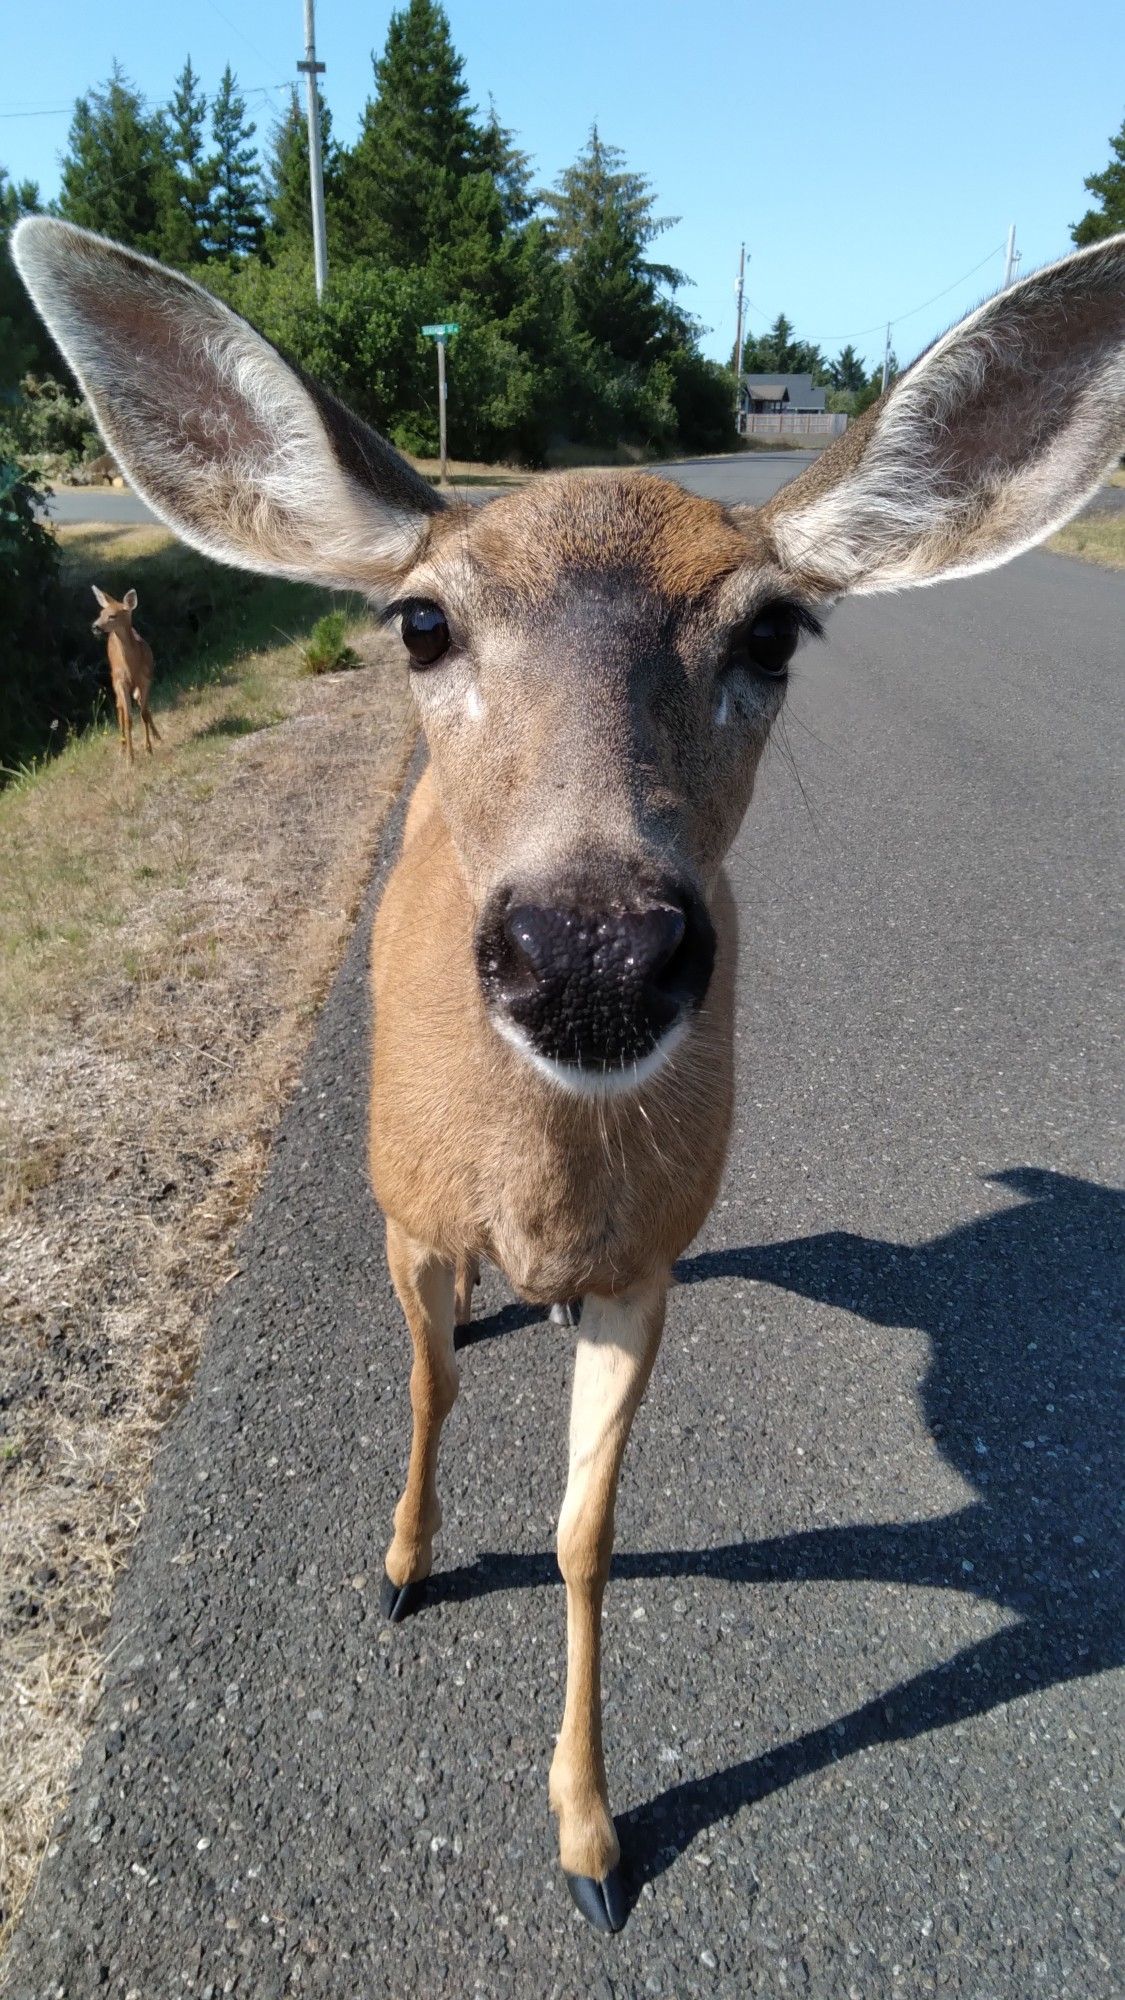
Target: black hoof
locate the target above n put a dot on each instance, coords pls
(602, 1903)
(397, 1601)
(567, 1313)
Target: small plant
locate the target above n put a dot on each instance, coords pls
(326, 650)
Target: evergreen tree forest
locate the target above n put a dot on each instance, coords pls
(572, 333)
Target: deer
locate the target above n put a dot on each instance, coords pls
(597, 662)
(130, 665)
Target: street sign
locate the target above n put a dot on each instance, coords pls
(442, 332)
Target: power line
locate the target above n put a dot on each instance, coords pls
(66, 110)
(235, 29)
(826, 339)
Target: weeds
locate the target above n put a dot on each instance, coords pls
(326, 650)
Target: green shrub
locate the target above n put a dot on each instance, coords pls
(52, 429)
(326, 650)
(44, 680)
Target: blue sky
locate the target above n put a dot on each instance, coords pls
(870, 156)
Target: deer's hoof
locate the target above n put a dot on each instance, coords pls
(602, 1903)
(567, 1313)
(398, 1600)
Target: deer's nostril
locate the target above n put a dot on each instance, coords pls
(596, 987)
(625, 946)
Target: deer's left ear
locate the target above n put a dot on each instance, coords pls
(130, 600)
(239, 453)
(991, 440)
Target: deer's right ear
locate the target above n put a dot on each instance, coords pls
(241, 455)
(100, 595)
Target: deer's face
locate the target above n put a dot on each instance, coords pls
(597, 663)
(114, 614)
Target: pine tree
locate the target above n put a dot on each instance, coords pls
(288, 195)
(418, 142)
(600, 220)
(22, 335)
(116, 172)
(1109, 187)
(779, 353)
(848, 371)
(194, 180)
(235, 225)
(510, 169)
(599, 179)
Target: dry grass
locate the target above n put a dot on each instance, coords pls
(1098, 538)
(168, 933)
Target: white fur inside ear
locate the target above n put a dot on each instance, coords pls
(969, 463)
(218, 434)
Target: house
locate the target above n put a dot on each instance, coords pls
(773, 395)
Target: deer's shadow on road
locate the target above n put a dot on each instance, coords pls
(1023, 1310)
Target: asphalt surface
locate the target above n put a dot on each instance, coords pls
(861, 1724)
(751, 477)
(758, 475)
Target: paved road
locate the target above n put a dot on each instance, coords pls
(861, 1727)
(752, 477)
(755, 478)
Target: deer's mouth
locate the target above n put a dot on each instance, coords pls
(596, 997)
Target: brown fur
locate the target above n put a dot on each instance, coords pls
(130, 666)
(588, 728)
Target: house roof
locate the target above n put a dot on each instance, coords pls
(772, 388)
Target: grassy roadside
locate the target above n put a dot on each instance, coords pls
(167, 935)
(1098, 538)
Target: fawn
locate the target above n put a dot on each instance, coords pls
(597, 663)
(130, 665)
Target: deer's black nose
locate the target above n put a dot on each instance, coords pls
(595, 988)
(632, 946)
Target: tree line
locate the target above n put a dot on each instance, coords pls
(571, 328)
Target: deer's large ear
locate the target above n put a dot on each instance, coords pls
(242, 456)
(991, 440)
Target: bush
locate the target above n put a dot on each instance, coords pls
(326, 650)
(43, 680)
(52, 430)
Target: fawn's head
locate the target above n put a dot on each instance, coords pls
(597, 661)
(116, 614)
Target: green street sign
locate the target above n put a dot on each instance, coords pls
(441, 332)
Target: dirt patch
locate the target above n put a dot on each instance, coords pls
(168, 935)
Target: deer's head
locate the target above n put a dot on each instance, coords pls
(597, 661)
(116, 613)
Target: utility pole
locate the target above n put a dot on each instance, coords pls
(738, 342)
(312, 69)
(1011, 259)
(887, 356)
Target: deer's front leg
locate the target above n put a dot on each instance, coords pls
(615, 1352)
(424, 1283)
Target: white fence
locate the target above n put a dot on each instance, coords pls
(794, 423)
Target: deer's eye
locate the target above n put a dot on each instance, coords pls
(425, 633)
(767, 645)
